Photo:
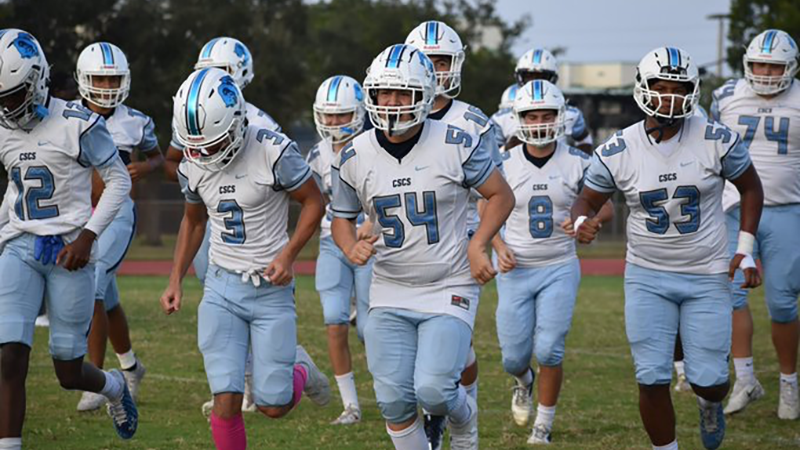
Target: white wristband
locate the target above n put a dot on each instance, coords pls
(746, 243)
(579, 221)
(747, 262)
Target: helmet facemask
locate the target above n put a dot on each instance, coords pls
(199, 152)
(541, 134)
(448, 82)
(389, 118)
(650, 101)
(21, 114)
(104, 97)
(769, 84)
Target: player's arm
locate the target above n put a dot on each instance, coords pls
(346, 207)
(149, 146)
(294, 175)
(581, 137)
(739, 170)
(587, 212)
(98, 151)
(190, 238)
(172, 159)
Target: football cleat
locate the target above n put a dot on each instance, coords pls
(712, 423)
(133, 378)
(681, 384)
(123, 411)
(350, 416)
(539, 435)
(434, 427)
(522, 404)
(789, 404)
(743, 394)
(91, 401)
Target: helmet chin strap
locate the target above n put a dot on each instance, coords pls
(663, 123)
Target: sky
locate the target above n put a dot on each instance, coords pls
(618, 30)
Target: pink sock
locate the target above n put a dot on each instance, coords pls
(299, 382)
(228, 434)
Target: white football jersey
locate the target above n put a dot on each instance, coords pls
(248, 200)
(420, 206)
(472, 120)
(770, 130)
(131, 130)
(255, 117)
(676, 222)
(50, 173)
(544, 197)
(507, 125)
(320, 159)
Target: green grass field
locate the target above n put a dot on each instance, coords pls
(597, 410)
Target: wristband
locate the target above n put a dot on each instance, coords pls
(579, 221)
(746, 243)
(747, 262)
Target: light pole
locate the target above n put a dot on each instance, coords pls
(720, 38)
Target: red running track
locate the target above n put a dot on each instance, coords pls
(603, 267)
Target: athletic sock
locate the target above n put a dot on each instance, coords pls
(113, 389)
(11, 443)
(347, 389)
(791, 378)
(127, 360)
(412, 438)
(472, 390)
(229, 434)
(299, 378)
(545, 415)
(744, 369)
(526, 379)
(680, 368)
(671, 446)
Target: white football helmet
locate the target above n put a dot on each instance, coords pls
(24, 76)
(540, 95)
(670, 64)
(103, 59)
(436, 38)
(339, 95)
(507, 99)
(537, 60)
(228, 54)
(772, 47)
(208, 117)
(400, 67)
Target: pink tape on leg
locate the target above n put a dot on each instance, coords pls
(229, 434)
(299, 382)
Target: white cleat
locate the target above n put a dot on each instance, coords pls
(91, 402)
(248, 403)
(522, 404)
(42, 321)
(350, 416)
(318, 389)
(789, 403)
(682, 385)
(207, 408)
(133, 378)
(465, 436)
(743, 394)
(540, 435)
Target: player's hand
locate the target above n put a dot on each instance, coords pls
(280, 271)
(479, 264)
(588, 230)
(364, 231)
(568, 227)
(752, 278)
(138, 170)
(171, 298)
(506, 261)
(362, 250)
(75, 255)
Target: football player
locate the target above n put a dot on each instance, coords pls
(412, 176)
(671, 168)
(540, 64)
(232, 56)
(104, 81)
(339, 117)
(50, 149)
(242, 177)
(539, 269)
(442, 45)
(764, 108)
